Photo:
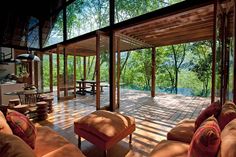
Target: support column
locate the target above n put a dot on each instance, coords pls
(97, 68)
(51, 72)
(112, 69)
(65, 74)
(153, 88)
(213, 55)
(85, 71)
(58, 74)
(112, 47)
(36, 74)
(118, 72)
(74, 73)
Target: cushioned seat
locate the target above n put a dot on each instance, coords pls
(183, 131)
(50, 143)
(104, 128)
(169, 148)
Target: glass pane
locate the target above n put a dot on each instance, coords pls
(45, 72)
(230, 48)
(126, 9)
(54, 60)
(104, 72)
(53, 34)
(90, 66)
(70, 75)
(33, 38)
(61, 76)
(79, 67)
(84, 16)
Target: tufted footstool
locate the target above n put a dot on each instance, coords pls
(104, 128)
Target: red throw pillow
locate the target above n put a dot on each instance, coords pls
(227, 114)
(22, 127)
(213, 109)
(206, 140)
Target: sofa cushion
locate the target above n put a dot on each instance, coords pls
(227, 114)
(183, 131)
(228, 140)
(13, 146)
(104, 124)
(47, 141)
(206, 140)
(213, 109)
(4, 127)
(22, 127)
(168, 148)
(67, 150)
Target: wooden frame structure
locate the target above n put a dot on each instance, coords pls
(186, 21)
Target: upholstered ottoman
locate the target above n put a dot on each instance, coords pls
(104, 128)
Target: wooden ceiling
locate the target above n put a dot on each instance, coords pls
(189, 26)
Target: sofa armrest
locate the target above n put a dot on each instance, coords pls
(168, 148)
(183, 131)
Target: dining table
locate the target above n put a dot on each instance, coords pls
(82, 86)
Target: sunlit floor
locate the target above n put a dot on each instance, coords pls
(154, 118)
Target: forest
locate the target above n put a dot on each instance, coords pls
(182, 69)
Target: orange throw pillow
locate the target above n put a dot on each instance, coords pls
(22, 127)
(213, 109)
(206, 140)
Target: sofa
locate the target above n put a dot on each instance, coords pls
(47, 143)
(211, 134)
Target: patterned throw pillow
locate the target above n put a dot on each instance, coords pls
(213, 109)
(22, 127)
(206, 140)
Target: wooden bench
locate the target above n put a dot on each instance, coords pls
(93, 89)
(104, 128)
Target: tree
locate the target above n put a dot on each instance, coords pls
(175, 55)
(202, 63)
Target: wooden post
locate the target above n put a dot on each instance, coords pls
(234, 37)
(41, 69)
(58, 74)
(97, 71)
(36, 74)
(153, 72)
(51, 72)
(65, 74)
(214, 55)
(118, 72)
(74, 72)
(112, 74)
(85, 69)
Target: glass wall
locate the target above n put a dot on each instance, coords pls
(45, 72)
(85, 16)
(54, 32)
(230, 49)
(126, 9)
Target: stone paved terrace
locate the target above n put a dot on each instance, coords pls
(154, 118)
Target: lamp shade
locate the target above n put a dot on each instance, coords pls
(28, 57)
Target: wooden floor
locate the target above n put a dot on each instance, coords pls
(154, 118)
